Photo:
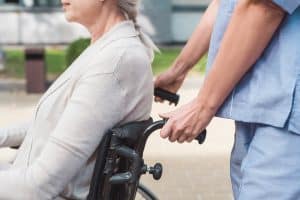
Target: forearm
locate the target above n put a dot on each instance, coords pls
(14, 135)
(250, 30)
(46, 178)
(198, 44)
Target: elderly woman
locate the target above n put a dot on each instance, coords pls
(108, 85)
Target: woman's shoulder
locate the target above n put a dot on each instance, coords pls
(122, 54)
(129, 48)
(134, 58)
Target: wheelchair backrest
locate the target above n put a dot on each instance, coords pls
(109, 163)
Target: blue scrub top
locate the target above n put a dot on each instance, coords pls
(269, 93)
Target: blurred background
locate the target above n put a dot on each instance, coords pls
(37, 45)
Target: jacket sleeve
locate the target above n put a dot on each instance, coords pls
(288, 5)
(13, 135)
(94, 107)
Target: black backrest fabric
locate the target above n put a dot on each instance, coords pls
(99, 167)
(130, 134)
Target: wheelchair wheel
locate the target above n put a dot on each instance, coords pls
(143, 193)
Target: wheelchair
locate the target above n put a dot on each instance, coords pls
(119, 163)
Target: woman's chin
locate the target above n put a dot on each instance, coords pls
(69, 17)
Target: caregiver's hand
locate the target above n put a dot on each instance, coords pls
(171, 80)
(186, 122)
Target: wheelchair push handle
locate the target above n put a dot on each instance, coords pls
(166, 95)
(174, 98)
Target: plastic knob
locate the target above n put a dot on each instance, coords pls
(156, 171)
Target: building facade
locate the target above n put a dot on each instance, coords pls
(43, 22)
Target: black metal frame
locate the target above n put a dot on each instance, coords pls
(120, 163)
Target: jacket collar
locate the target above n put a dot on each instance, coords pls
(121, 30)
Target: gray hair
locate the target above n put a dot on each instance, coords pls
(130, 10)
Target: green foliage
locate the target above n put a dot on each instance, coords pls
(75, 49)
(14, 63)
(201, 65)
(55, 61)
(167, 56)
(164, 59)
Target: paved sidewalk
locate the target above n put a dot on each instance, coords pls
(191, 171)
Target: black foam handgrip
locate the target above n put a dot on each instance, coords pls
(201, 138)
(166, 95)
